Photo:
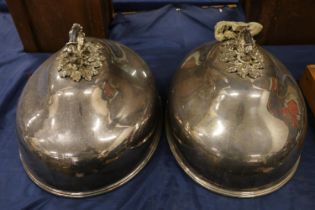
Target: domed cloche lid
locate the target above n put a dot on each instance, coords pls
(236, 118)
(88, 118)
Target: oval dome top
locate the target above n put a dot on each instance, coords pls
(87, 119)
(236, 117)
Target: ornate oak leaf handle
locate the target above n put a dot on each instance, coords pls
(80, 58)
(238, 49)
(225, 30)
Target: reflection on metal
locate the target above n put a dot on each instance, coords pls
(236, 135)
(84, 138)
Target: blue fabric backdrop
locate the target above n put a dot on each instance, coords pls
(162, 37)
(3, 6)
(129, 5)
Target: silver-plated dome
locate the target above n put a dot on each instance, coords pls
(88, 118)
(236, 118)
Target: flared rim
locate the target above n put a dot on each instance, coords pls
(248, 193)
(102, 190)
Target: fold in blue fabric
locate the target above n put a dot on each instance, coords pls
(3, 6)
(162, 37)
(136, 5)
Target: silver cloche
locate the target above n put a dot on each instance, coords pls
(236, 118)
(88, 118)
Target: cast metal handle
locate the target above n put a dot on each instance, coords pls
(80, 58)
(239, 50)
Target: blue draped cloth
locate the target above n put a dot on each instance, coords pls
(162, 37)
(135, 5)
(3, 6)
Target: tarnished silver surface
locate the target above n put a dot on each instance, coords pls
(82, 136)
(236, 134)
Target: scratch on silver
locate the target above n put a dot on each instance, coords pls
(80, 58)
(239, 50)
